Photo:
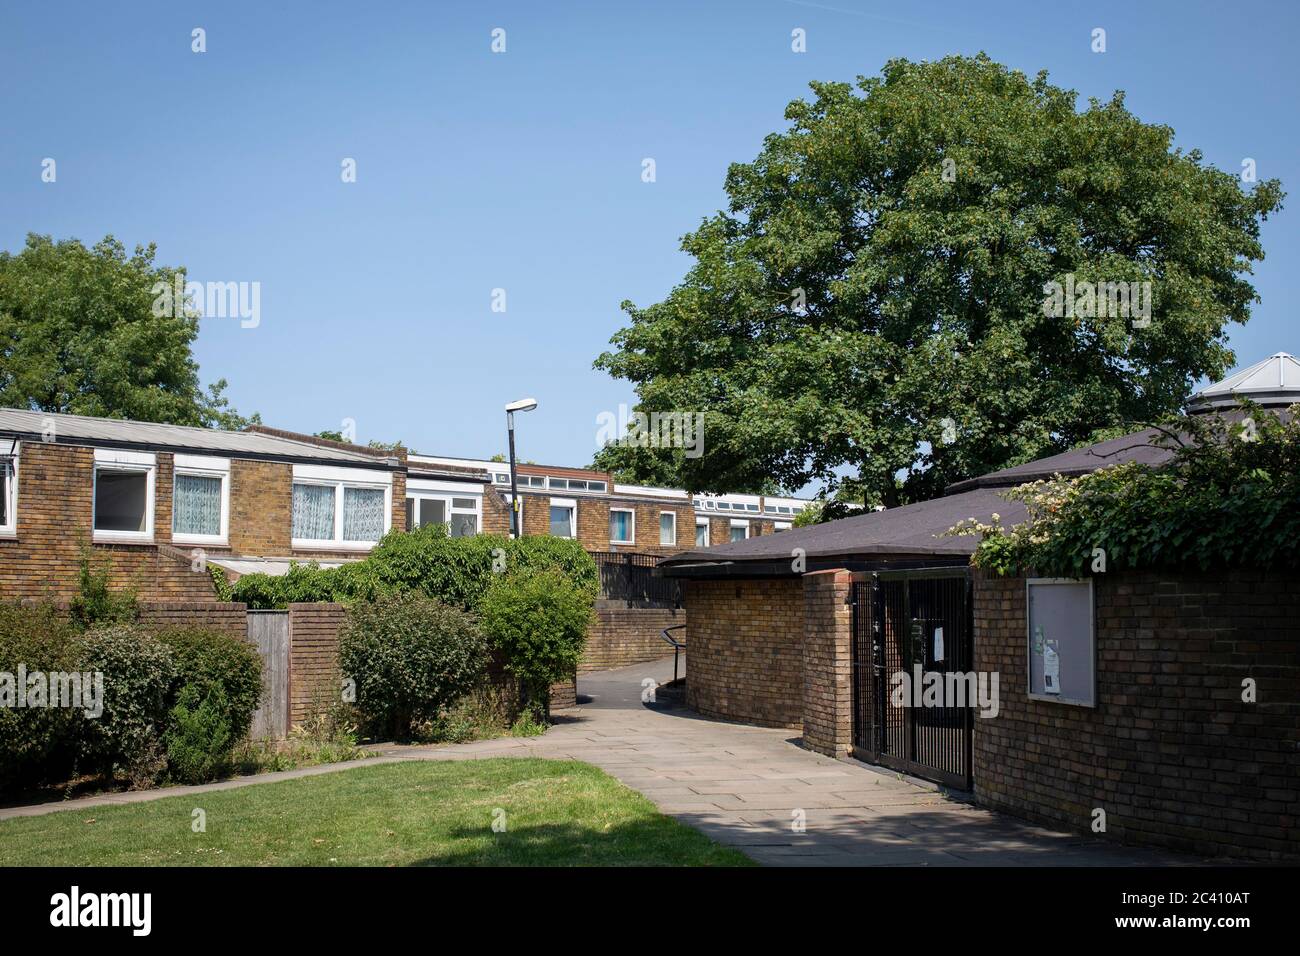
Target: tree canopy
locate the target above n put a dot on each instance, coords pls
(872, 303)
(79, 335)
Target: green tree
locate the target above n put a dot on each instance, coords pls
(872, 302)
(78, 335)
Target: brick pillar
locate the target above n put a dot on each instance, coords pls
(828, 662)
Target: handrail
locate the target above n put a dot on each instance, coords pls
(678, 646)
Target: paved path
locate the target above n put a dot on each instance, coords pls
(743, 785)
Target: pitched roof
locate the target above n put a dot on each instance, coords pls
(120, 433)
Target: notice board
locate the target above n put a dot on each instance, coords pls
(1062, 640)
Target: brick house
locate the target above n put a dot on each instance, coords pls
(1121, 692)
(153, 498)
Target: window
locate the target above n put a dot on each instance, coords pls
(123, 495)
(739, 529)
(200, 500)
(782, 526)
(1062, 640)
(702, 534)
(459, 515)
(425, 511)
(563, 523)
(8, 495)
(667, 528)
(622, 526)
(340, 507)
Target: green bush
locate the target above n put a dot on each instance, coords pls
(199, 738)
(37, 744)
(539, 623)
(205, 660)
(95, 603)
(138, 677)
(411, 658)
(455, 571)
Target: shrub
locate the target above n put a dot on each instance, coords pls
(138, 677)
(411, 658)
(95, 603)
(37, 744)
(205, 659)
(455, 571)
(539, 624)
(199, 738)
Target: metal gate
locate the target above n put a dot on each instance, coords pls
(902, 619)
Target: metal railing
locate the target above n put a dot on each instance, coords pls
(678, 646)
(629, 577)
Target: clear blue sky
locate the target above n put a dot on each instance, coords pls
(522, 171)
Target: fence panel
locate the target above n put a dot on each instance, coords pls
(629, 578)
(268, 631)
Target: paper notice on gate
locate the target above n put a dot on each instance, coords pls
(938, 644)
(1051, 669)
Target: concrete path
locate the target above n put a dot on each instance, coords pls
(747, 787)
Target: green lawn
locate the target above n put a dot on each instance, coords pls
(557, 813)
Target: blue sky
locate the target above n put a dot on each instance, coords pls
(522, 170)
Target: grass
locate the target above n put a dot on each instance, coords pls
(556, 813)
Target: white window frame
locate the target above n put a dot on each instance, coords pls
(134, 462)
(631, 525)
(662, 542)
(702, 523)
(204, 467)
(338, 479)
(10, 490)
(740, 523)
(572, 505)
(446, 491)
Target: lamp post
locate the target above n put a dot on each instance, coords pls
(523, 405)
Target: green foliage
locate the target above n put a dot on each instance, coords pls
(411, 657)
(199, 739)
(856, 308)
(36, 743)
(138, 677)
(539, 623)
(1230, 497)
(823, 510)
(455, 571)
(79, 335)
(217, 666)
(220, 583)
(95, 602)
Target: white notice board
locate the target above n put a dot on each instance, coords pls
(1062, 640)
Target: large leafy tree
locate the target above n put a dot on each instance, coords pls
(872, 302)
(79, 334)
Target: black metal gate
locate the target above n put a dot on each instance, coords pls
(902, 619)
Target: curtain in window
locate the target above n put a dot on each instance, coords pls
(667, 529)
(6, 470)
(313, 512)
(363, 514)
(463, 526)
(196, 505)
(620, 526)
(561, 521)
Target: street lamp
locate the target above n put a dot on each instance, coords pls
(523, 405)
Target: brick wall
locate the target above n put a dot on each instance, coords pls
(314, 677)
(1170, 752)
(745, 657)
(629, 635)
(228, 617)
(828, 662)
(261, 507)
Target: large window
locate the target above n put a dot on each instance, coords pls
(702, 533)
(667, 528)
(430, 502)
(338, 508)
(563, 518)
(622, 526)
(123, 496)
(200, 500)
(8, 495)
(739, 530)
